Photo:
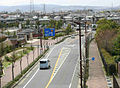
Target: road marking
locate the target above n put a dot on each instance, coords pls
(57, 68)
(73, 73)
(70, 85)
(54, 69)
(31, 78)
(46, 57)
(73, 45)
(50, 52)
(37, 69)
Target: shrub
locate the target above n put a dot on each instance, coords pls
(46, 38)
(109, 61)
(112, 69)
(108, 58)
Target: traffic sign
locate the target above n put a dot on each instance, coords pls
(49, 32)
(93, 58)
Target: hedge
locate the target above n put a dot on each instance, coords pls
(109, 61)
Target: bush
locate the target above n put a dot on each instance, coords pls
(112, 69)
(108, 58)
(46, 38)
(58, 35)
(109, 61)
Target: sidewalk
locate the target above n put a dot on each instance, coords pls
(96, 74)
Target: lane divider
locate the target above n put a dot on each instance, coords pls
(54, 69)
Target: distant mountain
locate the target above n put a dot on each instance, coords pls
(49, 8)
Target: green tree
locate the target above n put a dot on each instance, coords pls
(57, 25)
(68, 29)
(116, 47)
(27, 22)
(12, 60)
(21, 62)
(105, 33)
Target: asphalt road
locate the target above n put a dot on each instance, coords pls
(64, 61)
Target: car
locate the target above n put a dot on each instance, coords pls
(72, 36)
(44, 64)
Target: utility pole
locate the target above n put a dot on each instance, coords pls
(85, 39)
(85, 53)
(38, 40)
(80, 53)
(41, 47)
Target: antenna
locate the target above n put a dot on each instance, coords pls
(31, 6)
(112, 4)
(44, 10)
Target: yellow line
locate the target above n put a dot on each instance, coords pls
(54, 69)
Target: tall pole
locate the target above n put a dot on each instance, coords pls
(80, 55)
(38, 40)
(41, 40)
(85, 40)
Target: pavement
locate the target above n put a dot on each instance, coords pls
(96, 74)
(62, 74)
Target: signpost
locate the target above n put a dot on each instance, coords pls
(49, 32)
(93, 58)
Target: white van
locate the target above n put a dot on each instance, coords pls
(44, 63)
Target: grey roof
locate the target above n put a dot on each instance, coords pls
(2, 35)
(26, 31)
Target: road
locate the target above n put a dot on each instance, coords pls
(63, 72)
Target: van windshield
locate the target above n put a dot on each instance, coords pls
(42, 62)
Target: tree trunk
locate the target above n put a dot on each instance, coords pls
(33, 54)
(21, 65)
(12, 71)
(27, 60)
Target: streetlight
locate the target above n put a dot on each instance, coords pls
(80, 52)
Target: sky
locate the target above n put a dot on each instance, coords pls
(109, 3)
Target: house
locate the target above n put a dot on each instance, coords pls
(26, 33)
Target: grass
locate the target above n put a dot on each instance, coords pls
(6, 64)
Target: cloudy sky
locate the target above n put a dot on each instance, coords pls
(62, 2)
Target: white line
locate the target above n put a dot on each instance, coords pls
(61, 64)
(70, 85)
(53, 48)
(73, 73)
(31, 78)
(50, 52)
(38, 68)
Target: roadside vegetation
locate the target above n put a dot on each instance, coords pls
(108, 40)
(18, 55)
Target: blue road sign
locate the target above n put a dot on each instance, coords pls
(93, 58)
(49, 32)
